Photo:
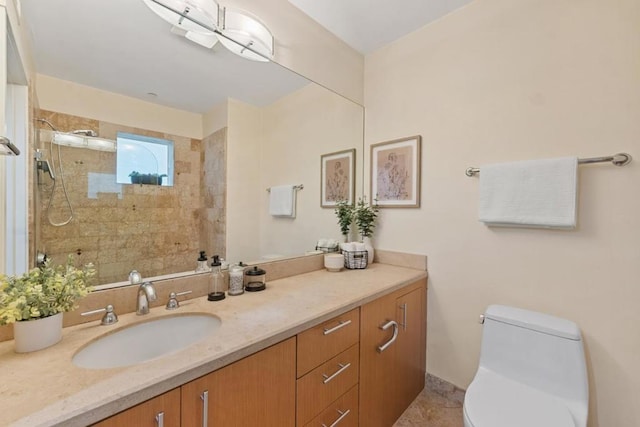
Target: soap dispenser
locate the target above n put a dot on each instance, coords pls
(202, 266)
(215, 285)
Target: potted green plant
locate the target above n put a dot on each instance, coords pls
(146, 178)
(365, 216)
(344, 212)
(34, 302)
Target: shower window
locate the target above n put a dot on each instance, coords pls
(144, 160)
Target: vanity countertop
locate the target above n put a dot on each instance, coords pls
(44, 388)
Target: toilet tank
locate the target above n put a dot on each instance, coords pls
(540, 350)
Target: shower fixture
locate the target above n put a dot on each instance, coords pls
(7, 148)
(84, 138)
(43, 165)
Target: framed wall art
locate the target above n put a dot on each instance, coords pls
(395, 172)
(337, 178)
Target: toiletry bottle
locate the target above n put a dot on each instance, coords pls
(236, 279)
(215, 285)
(202, 263)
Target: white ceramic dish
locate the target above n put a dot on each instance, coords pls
(334, 262)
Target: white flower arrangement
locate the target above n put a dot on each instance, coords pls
(43, 292)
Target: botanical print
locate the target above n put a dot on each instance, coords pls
(395, 172)
(395, 169)
(337, 179)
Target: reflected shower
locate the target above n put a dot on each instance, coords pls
(84, 138)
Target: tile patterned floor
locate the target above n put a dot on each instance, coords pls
(432, 410)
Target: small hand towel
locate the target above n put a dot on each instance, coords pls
(282, 201)
(532, 193)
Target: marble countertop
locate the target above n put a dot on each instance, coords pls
(45, 389)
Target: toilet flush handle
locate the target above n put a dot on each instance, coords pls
(481, 319)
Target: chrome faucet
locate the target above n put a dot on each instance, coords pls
(146, 294)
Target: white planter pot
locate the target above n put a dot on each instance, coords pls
(33, 335)
(369, 247)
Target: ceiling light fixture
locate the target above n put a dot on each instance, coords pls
(197, 16)
(244, 35)
(202, 22)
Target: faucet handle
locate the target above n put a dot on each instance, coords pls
(109, 318)
(173, 302)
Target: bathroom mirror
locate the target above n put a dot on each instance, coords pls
(272, 131)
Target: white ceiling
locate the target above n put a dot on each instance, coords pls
(121, 46)
(366, 25)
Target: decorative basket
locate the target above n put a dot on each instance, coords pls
(355, 260)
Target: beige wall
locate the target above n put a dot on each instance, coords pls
(84, 101)
(498, 81)
(299, 129)
(305, 47)
(243, 173)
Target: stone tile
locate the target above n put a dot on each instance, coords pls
(432, 410)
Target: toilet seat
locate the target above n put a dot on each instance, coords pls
(495, 401)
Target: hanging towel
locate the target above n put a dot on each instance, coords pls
(282, 201)
(532, 193)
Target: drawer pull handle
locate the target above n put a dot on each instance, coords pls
(160, 419)
(340, 325)
(342, 415)
(328, 378)
(205, 407)
(403, 307)
(384, 327)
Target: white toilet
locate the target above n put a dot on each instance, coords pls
(532, 372)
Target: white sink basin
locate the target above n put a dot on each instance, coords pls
(145, 341)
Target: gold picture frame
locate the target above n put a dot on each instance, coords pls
(395, 172)
(337, 178)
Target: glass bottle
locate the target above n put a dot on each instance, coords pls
(202, 266)
(215, 285)
(236, 279)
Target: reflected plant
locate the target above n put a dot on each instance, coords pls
(344, 212)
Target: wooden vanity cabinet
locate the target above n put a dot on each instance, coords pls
(163, 410)
(348, 371)
(259, 390)
(328, 369)
(392, 371)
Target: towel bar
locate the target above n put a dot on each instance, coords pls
(295, 187)
(619, 159)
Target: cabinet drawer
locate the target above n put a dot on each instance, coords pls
(341, 413)
(319, 344)
(326, 383)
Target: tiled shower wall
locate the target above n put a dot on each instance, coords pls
(119, 227)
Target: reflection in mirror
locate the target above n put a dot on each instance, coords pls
(271, 129)
(144, 160)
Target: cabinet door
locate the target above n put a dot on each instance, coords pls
(259, 390)
(377, 368)
(392, 371)
(161, 411)
(411, 347)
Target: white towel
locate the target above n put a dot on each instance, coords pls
(282, 201)
(532, 193)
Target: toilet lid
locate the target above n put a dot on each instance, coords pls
(495, 401)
